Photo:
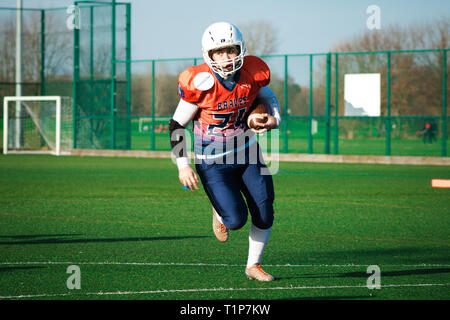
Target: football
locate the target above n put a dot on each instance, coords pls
(256, 110)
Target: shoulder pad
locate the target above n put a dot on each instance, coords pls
(193, 81)
(259, 70)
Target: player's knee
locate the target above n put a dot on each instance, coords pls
(263, 223)
(265, 218)
(236, 223)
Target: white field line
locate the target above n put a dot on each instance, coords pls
(213, 264)
(162, 291)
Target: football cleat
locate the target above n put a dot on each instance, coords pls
(219, 229)
(257, 273)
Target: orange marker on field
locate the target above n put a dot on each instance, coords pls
(440, 183)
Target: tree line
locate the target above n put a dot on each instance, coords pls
(416, 78)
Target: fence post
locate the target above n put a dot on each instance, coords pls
(91, 68)
(128, 73)
(310, 118)
(444, 103)
(113, 75)
(286, 115)
(327, 105)
(42, 52)
(91, 49)
(388, 105)
(152, 136)
(336, 102)
(76, 79)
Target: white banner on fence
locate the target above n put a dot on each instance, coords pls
(362, 94)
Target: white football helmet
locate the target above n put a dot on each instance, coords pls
(219, 35)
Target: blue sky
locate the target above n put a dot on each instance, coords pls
(173, 28)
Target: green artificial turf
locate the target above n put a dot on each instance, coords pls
(135, 233)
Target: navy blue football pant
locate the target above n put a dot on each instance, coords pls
(234, 189)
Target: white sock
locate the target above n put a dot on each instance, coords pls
(257, 239)
(218, 217)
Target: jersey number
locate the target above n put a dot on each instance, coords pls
(225, 117)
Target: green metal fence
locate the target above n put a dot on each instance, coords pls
(101, 87)
(310, 89)
(76, 62)
(119, 103)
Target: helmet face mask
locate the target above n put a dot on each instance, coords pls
(218, 36)
(226, 67)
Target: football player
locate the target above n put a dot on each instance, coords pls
(217, 96)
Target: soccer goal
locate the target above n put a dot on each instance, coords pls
(37, 124)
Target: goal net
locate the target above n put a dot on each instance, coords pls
(37, 124)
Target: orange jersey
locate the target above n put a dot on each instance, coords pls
(221, 112)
